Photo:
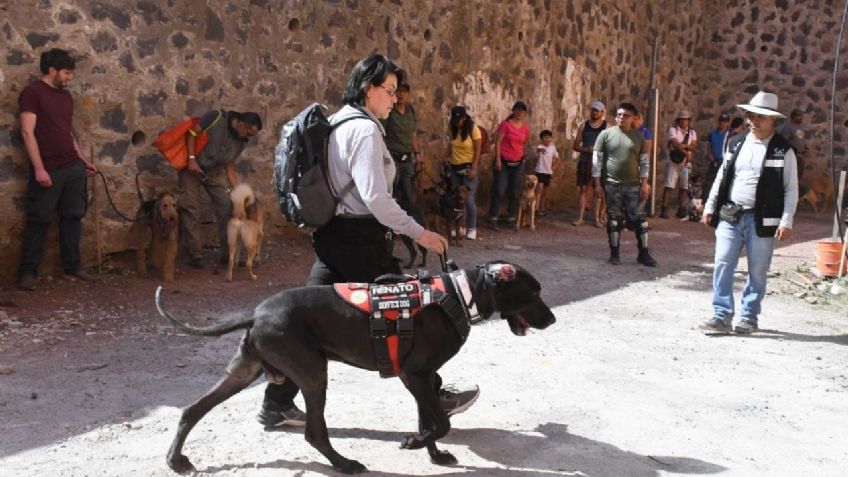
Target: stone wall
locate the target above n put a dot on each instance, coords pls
(786, 47)
(145, 65)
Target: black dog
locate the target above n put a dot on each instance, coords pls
(296, 331)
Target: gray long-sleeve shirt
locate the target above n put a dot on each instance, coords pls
(358, 152)
(749, 164)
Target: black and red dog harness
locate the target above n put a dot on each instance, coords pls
(392, 304)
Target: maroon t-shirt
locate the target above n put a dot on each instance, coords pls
(54, 116)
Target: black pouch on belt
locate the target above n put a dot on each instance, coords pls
(730, 212)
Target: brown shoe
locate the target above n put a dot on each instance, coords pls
(82, 275)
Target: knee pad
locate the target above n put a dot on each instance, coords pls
(614, 225)
(642, 226)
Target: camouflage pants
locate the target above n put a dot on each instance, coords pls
(623, 202)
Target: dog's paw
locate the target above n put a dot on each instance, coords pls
(180, 464)
(412, 441)
(440, 457)
(350, 467)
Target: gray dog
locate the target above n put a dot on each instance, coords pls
(296, 332)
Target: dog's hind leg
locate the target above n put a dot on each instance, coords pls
(250, 244)
(433, 421)
(232, 244)
(240, 373)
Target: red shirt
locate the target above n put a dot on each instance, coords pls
(512, 147)
(54, 116)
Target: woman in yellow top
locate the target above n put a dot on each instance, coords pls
(464, 153)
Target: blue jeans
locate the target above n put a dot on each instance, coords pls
(506, 182)
(729, 242)
(471, 200)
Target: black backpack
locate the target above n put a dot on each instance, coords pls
(301, 178)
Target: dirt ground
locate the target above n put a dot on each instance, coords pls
(92, 380)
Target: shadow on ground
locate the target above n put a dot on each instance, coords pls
(548, 449)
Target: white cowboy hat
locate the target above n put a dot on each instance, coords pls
(763, 103)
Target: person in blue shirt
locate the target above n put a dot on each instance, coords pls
(717, 140)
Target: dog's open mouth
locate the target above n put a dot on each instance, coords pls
(518, 325)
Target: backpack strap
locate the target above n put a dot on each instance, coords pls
(350, 185)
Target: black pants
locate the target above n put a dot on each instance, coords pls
(347, 250)
(67, 196)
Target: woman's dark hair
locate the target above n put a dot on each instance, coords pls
(518, 106)
(370, 71)
(467, 126)
(56, 58)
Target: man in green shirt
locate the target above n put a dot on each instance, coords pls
(621, 159)
(402, 142)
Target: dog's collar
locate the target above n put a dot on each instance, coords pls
(459, 280)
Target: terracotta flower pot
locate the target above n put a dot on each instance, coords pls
(827, 258)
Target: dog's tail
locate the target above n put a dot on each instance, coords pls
(242, 197)
(214, 330)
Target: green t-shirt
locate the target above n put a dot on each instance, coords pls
(399, 130)
(621, 154)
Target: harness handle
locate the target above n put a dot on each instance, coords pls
(448, 265)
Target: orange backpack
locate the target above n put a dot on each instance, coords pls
(172, 143)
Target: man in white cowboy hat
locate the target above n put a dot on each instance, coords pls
(682, 142)
(751, 204)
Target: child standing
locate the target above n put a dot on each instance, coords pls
(546, 152)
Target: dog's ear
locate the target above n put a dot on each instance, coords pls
(501, 272)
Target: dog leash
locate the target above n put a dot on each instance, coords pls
(111, 202)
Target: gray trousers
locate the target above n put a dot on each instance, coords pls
(189, 203)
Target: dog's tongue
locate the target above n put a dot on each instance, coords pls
(523, 325)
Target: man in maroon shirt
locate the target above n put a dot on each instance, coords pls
(57, 177)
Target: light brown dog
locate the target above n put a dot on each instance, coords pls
(245, 226)
(527, 202)
(158, 227)
(820, 188)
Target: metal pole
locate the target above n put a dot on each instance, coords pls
(656, 121)
(837, 224)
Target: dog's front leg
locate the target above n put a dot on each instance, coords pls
(433, 421)
(315, 396)
(533, 215)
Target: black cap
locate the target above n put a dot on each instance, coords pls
(519, 105)
(458, 112)
(724, 117)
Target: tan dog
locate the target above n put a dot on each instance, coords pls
(527, 202)
(245, 226)
(820, 188)
(158, 227)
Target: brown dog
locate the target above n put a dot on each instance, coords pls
(158, 226)
(245, 225)
(527, 202)
(820, 188)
